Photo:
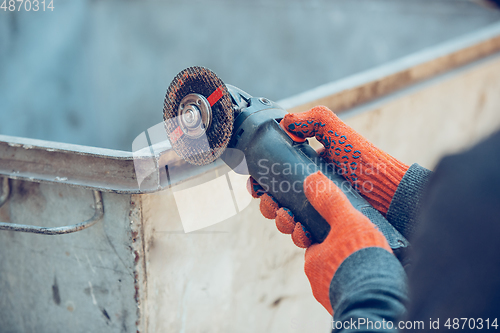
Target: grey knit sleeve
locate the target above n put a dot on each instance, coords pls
(406, 202)
(368, 292)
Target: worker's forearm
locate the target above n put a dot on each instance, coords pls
(407, 200)
(368, 290)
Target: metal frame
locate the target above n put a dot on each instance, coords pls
(113, 170)
(93, 168)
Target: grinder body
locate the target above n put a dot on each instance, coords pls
(280, 165)
(203, 116)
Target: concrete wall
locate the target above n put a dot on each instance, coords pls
(95, 72)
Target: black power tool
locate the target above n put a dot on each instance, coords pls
(203, 117)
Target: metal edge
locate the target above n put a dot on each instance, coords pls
(95, 168)
(418, 86)
(27, 143)
(366, 86)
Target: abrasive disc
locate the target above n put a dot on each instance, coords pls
(198, 115)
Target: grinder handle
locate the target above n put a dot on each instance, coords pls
(280, 165)
(394, 237)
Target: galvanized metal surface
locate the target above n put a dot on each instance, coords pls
(88, 167)
(89, 281)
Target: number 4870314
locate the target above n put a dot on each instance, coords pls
(27, 5)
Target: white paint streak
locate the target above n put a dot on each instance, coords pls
(92, 293)
(102, 262)
(91, 267)
(78, 259)
(185, 297)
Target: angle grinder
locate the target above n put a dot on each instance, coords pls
(204, 117)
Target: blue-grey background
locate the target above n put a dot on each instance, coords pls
(95, 72)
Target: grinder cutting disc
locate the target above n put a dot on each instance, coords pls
(198, 115)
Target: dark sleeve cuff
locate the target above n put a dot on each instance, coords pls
(407, 200)
(369, 285)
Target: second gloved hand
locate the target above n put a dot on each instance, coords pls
(350, 231)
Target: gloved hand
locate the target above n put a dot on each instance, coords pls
(284, 217)
(350, 231)
(374, 173)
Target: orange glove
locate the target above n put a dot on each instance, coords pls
(350, 231)
(374, 173)
(284, 217)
